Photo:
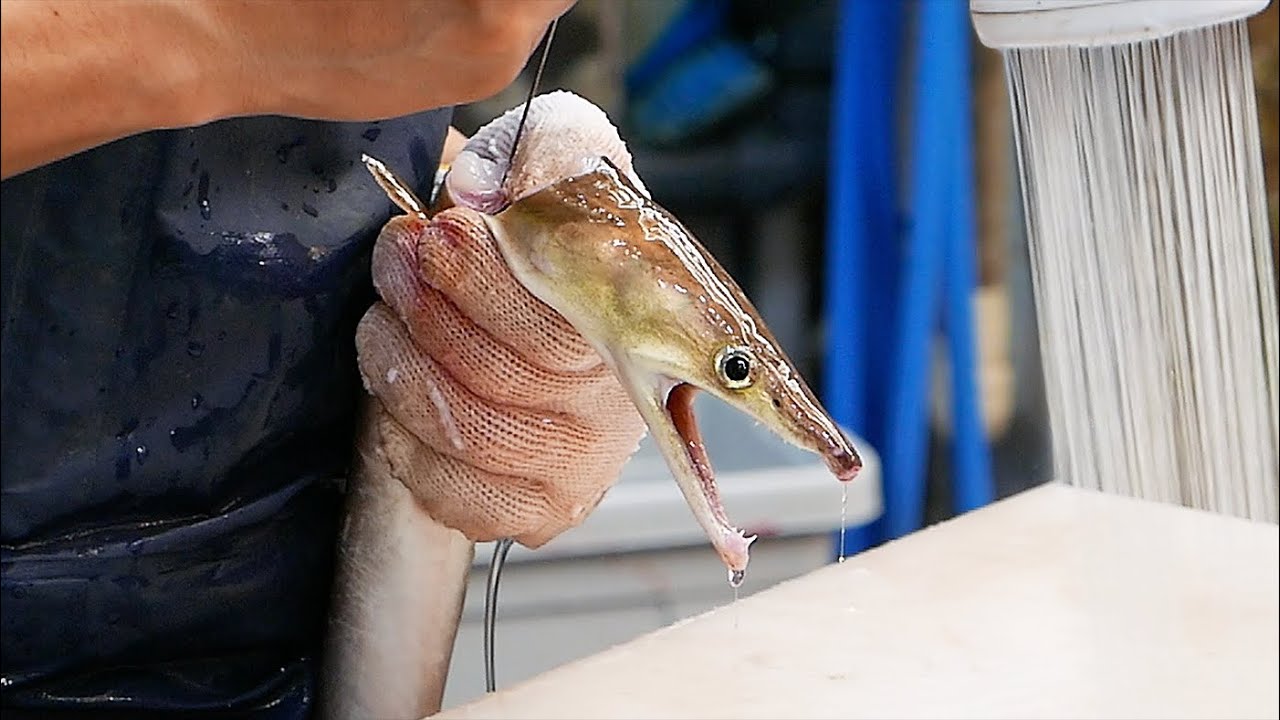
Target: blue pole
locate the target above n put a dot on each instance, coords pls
(938, 102)
(847, 221)
(861, 263)
(971, 485)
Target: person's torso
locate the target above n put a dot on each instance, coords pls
(177, 399)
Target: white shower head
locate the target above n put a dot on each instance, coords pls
(1080, 23)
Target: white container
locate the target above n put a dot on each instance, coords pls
(1082, 23)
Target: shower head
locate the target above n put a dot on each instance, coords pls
(1081, 23)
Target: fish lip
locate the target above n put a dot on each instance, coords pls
(730, 543)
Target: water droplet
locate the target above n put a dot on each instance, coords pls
(5, 682)
(141, 451)
(310, 210)
(371, 134)
(196, 400)
(195, 349)
(736, 577)
(393, 375)
(202, 196)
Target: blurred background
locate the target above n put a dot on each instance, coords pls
(792, 139)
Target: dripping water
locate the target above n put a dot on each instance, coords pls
(844, 515)
(736, 577)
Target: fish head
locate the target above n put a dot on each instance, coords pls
(670, 321)
(581, 232)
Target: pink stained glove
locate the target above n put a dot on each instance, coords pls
(494, 412)
(492, 409)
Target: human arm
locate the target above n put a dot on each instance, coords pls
(80, 73)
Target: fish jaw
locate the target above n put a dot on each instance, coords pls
(787, 406)
(666, 405)
(664, 395)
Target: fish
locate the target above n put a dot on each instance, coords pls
(579, 231)
(656, 305)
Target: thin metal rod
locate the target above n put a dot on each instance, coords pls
(533, 89)
(491, 611)
(503, 546)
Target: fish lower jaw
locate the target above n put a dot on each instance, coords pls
(733, 548)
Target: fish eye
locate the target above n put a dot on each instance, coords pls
(734, 367)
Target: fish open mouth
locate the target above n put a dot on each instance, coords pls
(727, 539)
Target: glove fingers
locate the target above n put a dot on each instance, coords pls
(482, 505)
(477, 361)
(507, 440)
(458, 257)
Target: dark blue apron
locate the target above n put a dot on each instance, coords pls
(178, 396)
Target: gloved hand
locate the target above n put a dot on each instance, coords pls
(496, 414)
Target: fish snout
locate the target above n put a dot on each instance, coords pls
(842, 459)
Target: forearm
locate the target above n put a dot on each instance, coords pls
(80, 73)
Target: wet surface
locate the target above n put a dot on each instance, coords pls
(179, 389)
